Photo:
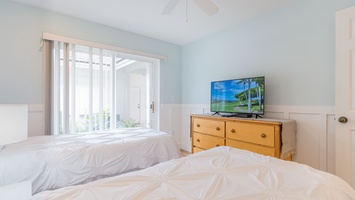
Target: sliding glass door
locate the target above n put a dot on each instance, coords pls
(96, 89)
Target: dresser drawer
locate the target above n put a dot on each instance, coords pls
(253, 133)
(211, 127)
(260, 136)
(206, 141)
(268, 151)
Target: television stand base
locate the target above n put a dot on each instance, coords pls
(216, 113)
(239, 115)
(256, 116)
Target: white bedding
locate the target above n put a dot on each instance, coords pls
(217, 174)
(52, 162)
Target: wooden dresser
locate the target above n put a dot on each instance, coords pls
(259, 136)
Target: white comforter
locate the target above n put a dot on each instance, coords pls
(216, 174)
(52, 162)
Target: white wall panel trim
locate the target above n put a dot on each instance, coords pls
(315, 125)
(35, 119)
(315, 128)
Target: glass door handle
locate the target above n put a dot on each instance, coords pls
(152, 107)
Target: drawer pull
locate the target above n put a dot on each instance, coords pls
(198, 125)
(232, 131)
(218, 129)
(217, 145)
(263, 135)
(198, 140)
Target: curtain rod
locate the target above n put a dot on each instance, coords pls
(54, 37)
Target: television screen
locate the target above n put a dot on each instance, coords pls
(245, 95)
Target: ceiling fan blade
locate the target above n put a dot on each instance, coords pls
(170, 7)
(207, 6)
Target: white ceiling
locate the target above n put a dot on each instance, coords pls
(144, 16)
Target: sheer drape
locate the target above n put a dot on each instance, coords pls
(47, 51)
(79, 88)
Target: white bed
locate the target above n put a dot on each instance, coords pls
(52, 162)
(219, 173)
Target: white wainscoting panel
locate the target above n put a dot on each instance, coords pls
(315, 134)
(315, 129)
(170, 120)
(35, 119)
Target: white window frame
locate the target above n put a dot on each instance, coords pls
(127, 53)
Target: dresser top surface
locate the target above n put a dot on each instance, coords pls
(218, 117)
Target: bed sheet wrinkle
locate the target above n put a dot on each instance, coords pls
(220, 182)
(205, 181)
(269, 176)
(59, 171)
(47, 160)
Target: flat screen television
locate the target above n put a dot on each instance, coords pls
(242, 97)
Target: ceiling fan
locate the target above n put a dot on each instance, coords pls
(205, 5)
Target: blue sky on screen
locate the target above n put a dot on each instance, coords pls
(226, 90)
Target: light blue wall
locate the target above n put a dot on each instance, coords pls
(293, 47)
(21, 66)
